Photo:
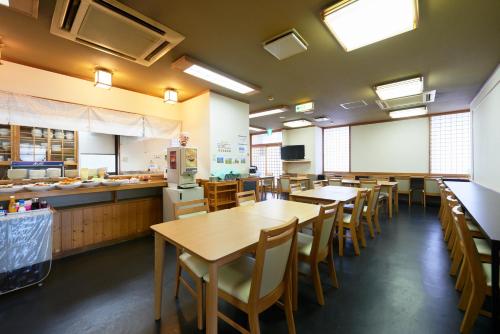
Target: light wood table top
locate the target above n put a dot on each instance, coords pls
(282, 210)
(328, 193)
(299, 178)
(350, 181)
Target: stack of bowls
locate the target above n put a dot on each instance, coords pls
(36, 173)
(4, 132)
(37, 133)
(53, 173)
(59, 134)
(17, 174)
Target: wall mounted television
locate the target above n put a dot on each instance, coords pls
(292, 152)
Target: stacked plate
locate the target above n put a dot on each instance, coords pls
(36, 173)
(71, 173)
(53, 173)
(17, 174)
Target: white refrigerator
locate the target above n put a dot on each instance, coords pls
(173, 195)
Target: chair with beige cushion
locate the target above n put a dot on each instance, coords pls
(370, 211)
(194, 266)
(318, 184)
(479, 278)
(254, 285)
(284, 185)
(404, 186)
(318, 247)
(431, 188)
(351, 222)
(295, 187)
(245, 198)
(335, 182)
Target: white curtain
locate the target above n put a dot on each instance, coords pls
(116, 122)
(157, 127)
(5, 102)
(34, 111)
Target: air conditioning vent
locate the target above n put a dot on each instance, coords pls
(111, 27)
(407, 101)
(354, 105)
(286, 44)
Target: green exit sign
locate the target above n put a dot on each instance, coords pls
(304, 107)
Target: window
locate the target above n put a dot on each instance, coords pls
(266, 153)
(97, 150)
(336, 148)
(450, 144)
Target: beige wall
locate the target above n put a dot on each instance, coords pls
(312, 139)
(26, 80)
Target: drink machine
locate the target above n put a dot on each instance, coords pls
(182, 166)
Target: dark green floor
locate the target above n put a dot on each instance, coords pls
(399, 284)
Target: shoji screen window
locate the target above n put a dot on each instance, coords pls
(336, 153)
(450, 144)
(266, 153)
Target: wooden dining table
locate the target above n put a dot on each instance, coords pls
(302, 180)
(483, 205)
(390, 187)
(329, 194)
(221, 237)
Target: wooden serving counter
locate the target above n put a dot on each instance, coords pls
(89, 218)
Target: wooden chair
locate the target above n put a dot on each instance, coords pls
(267, 185)
(352, 223)
(295, 187)
(335, 182)
(318, 247)
(194, 266)
(404, 186)
(254, 285)
(318, 184)
(478, 282)
(431, 188)
(284, 185)
(250, 184)
(370, 211)
(245, 198)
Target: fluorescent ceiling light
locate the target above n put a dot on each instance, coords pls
(268, 112)
(4, 2)
(297, 123)
(408, 112)
(400, 88)
(103, 79)
(305, 107)
(356, 23)
(321, 119)
(204, 72)
(253, 128)
(170, 96)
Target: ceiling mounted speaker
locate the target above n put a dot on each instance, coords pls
(286, 44)
(114, 28)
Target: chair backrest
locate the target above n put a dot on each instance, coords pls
(317, 184)
(381, 177)
(284, 183)
(403, 183)
(431, 186)
(295, 187)
(323, 229)
(469, 249)
(268, 182)
(365, 183)
(192, 208)
(245, 198)
(359, 204)
(335, 182)
(273, 260)
(373, 199)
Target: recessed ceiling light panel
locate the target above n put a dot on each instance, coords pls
(273, 111)
(357, 23)
(195, 68)
(254, 128)
(408, 112)
(321, 119)
(286, 44)
(297, 123)
(402, 88)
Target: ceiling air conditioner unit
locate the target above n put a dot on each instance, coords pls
(286, 44)
(407, 101)
(111, 27)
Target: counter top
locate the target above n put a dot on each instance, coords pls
(81, 190)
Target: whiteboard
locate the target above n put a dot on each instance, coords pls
(398, 146)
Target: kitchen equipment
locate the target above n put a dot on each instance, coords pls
(182, 166)
(17, 174)
(68, 185)
(174, 195)
(40, 165)
(37, 133)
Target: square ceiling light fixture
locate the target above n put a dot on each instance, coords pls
(103, 79)
(286, 44)
(5, 3)
(357, 23)
(297, 123)
(267, 112)
(399, 89)
(402, 113)
(254, 128)
(198, 69)
(170, 96)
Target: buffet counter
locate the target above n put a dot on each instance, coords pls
(89, 218)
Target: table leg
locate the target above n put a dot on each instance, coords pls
(396, 198)
(295, 281)
(340, 224)
(159, 269)
(389, 199)
(211, 299)
(495, 296)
